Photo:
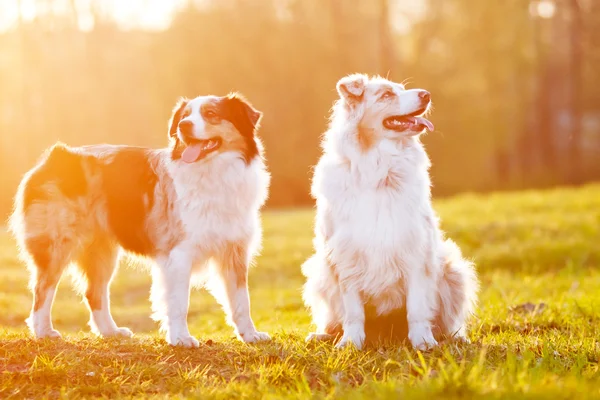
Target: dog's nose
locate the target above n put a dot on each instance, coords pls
(425, 96)
(186, 127)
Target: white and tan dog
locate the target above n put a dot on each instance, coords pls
(192, 208)
(377, 240)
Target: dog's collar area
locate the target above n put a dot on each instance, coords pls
(197, 149)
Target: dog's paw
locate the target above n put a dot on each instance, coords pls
(253, 337)
(48, 334)
(183, 341)
(421, 337)
(119, 332)
(314, 336)
(347, 340)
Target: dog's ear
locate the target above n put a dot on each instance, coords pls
(176, 116)
(351, 88)
(241, 114)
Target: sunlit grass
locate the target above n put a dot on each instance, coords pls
(537, 247)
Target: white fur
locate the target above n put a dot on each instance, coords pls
(195, 116)
(373, 243)
(218, 202)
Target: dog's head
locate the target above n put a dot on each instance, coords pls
(383, 108)
(209, 125)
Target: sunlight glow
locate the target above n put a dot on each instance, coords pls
(149, 14)
(128, 14)
(543, 9)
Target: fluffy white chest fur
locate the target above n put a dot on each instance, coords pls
(375, 213)
(218, 202)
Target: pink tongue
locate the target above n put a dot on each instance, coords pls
(423, 121)
(191, 153)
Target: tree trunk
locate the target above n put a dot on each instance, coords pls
(575, 106)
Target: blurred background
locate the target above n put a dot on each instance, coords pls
(514, 82)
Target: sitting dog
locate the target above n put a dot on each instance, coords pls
(378, 245)
(192, 208)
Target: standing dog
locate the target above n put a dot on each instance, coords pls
(192, 208)
(377, 240)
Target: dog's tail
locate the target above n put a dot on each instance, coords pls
(458, 290)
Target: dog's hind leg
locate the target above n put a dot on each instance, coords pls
(458, 292)
(47, 261)
(98, 263)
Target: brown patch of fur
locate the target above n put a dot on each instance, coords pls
(60, 170)
(391, 328)
(98, 262)
(427, 270)
(39, 247)
(235, 263)
(45, 276)
(210, 112)
(44, 281)
(180, 111)
(233, 141)
(59, 226)
(382, 89)
(366, 138)
(47, 259)
(165, 231)
(52, 215)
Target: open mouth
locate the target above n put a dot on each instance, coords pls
(198, 148)
(412, 122)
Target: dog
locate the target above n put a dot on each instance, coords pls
(378, 245)
(192, 209)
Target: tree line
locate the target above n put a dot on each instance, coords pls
(513, 82)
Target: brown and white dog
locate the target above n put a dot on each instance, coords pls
(192, 208)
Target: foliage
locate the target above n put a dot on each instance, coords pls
(502, 81)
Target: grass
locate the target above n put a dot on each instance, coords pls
(530, 247)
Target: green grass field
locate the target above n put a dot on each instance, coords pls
(529, 247)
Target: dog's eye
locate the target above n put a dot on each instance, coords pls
(387, 95)
(210, 114)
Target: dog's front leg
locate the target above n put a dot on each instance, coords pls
(171, 296)
(353, 322)
(233, 268)
(421, 303)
